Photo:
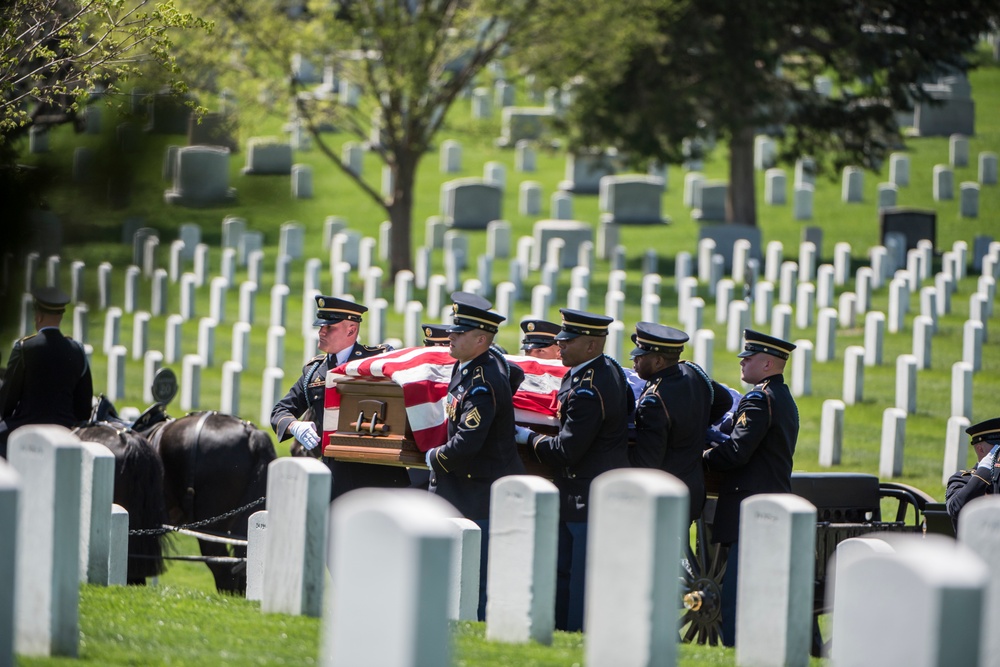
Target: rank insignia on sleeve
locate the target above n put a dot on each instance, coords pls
(742, 420)
(473, 418)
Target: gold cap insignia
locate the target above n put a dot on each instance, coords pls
(322, 303)
(428, 332)
(531, 326)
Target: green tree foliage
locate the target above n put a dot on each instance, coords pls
(719, 69)
(53, 53)
(411, 59)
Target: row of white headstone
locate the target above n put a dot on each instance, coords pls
(402, 564)
(934, 300)
(60, 529)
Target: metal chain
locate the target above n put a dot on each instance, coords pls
(196, 524)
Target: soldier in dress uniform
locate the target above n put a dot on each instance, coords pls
(758, 456)
(48, 377)
(982, 480)
(595, 402)
(678, 404)
(540, 339)
(435, 335)
(480, 412)
(300, 412)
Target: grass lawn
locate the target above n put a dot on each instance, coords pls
(179, 622)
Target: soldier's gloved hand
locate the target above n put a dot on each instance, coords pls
(522, 435)
(305, 432)
(427, 457)
(987, 467)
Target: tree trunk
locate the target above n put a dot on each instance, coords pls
(401, 216)
(741, 204)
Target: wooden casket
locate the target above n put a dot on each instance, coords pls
(373, 427)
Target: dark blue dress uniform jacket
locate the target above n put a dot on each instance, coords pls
(48, 381)
(309, 392)
(963, 487)
(758, 459)
(593, 433)
(676, 407)
(480, 447)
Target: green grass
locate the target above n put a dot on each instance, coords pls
(172, 625)
(183, 601)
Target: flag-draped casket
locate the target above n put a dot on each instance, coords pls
(389, 409)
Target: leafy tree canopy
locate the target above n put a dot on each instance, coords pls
(720, 69)
(54, 53)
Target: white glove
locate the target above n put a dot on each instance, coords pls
(305, 432)
(522, 434)
(987, 467)
(428, 456)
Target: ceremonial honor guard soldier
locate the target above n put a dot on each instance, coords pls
(540, 339)
(300, 412)
(758, 456)
(595, 402)
(982, 480)
(677, 405)
(48, 377)
(480, 413)
(435, 335)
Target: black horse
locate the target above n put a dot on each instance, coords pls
(139, 489)
(213, 464)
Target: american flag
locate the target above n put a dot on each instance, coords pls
(424, 374)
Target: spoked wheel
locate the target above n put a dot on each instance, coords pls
(702, 589)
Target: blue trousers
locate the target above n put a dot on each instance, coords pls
(570, 571)
(729, 582)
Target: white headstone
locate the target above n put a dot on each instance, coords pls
(847, 309)
(923, 333)
(899, 169)
(521, 578)
(854, 374)
(826, 335)
(256, 548)
(47, 577)
(390, 555)
(936, 618)
(802, 358)
(116, 372)
(118, 547)
(961, 390)
(906, 383)
(852, 189)
(988, 168)
(298, 494)
(944, 183)
(152, 361)
(956, 447)
(763, 302)
(890, 462)
(775, 585)
(831, 433)
(191, 382)
(467, 537)
(97, 485)
(781, 321)
(979, 531)
(631, 593)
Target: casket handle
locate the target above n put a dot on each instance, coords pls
(372, 427)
